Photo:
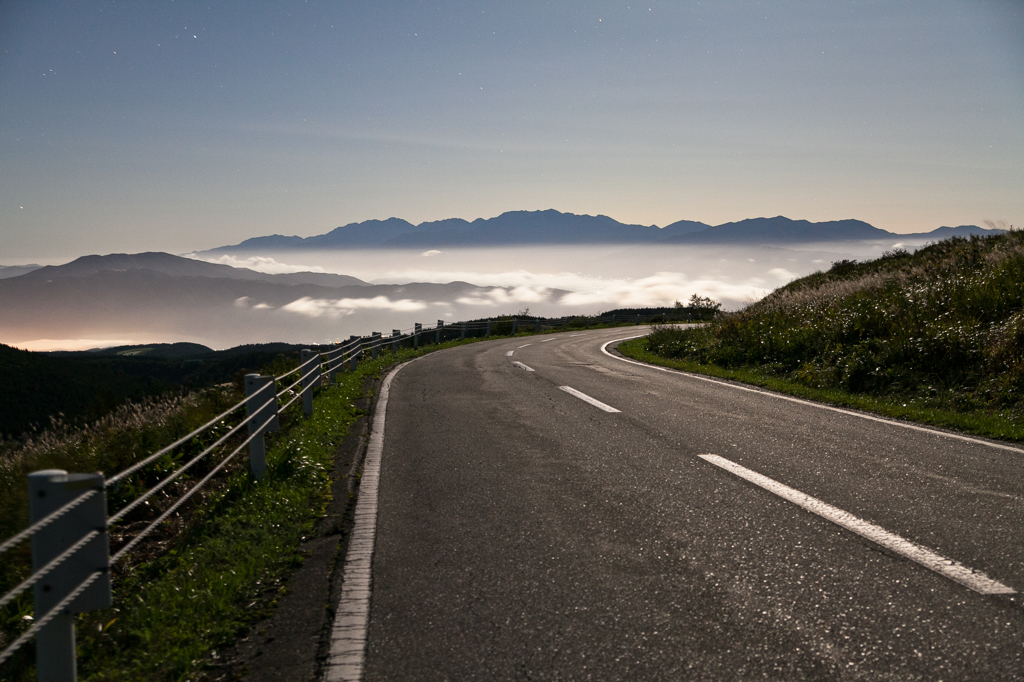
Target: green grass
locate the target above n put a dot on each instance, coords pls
(215, 571)
(110, 444)
(994, 425)
(936, 336)
(223, 571)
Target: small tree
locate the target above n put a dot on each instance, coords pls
(703, 307)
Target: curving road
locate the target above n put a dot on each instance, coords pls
(526, 533)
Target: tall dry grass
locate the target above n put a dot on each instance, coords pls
(943, 326)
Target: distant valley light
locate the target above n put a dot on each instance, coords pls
(45, 345)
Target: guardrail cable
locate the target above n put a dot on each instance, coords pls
(41, 622)
(45, 521)
(297, 368)
(162, 484)
(300, 379)
(297, 395)
(341, 348)
(42, 572)
(181, 500)
(156, 455)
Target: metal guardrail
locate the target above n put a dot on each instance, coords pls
(69, 524)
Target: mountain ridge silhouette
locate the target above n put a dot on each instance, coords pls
(549, 227)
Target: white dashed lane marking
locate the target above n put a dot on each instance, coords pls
(975, 580)
(586, 398)
(522, 366)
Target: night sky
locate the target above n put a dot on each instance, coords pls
(177, 126)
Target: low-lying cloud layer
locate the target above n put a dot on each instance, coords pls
(664, 289)
(509, 296)
(338, 307)
(551, 282)
(596, 277)
(266, 264)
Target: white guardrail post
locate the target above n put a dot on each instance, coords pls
(463, 331)
(313, 378)
(49, 490)
(333, 365)
(416, 335)
(440, 326)
(395, 334)
(264, 406)
(376, 336)
(356, 349)
(488, 329)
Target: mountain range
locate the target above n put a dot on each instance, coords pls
(553, 227)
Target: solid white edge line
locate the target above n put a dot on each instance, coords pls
(347, 655)
(820, 406)
(522, 366)
(586, 398)
(508, 354)
(966, 576)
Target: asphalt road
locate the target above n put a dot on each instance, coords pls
(525, 534)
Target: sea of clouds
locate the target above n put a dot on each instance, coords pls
(549, 280)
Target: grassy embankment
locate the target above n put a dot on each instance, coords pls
(209, 573)
(936, 336)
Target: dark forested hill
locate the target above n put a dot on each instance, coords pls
(83, 386)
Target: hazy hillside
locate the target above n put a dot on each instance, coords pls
(16, 270)
(178, 266)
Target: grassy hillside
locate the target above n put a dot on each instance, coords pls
(940, 329)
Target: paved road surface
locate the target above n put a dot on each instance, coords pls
(525, 534)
